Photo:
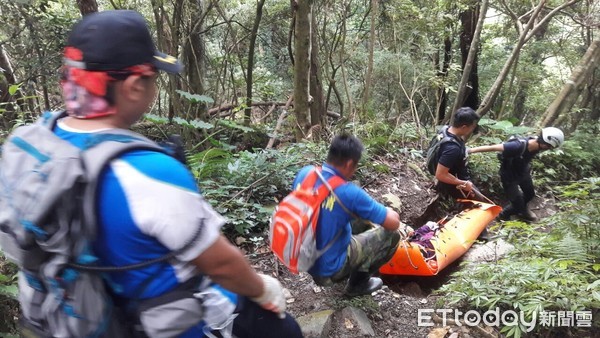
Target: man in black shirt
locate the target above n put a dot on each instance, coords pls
(515, 168)
(451, 172)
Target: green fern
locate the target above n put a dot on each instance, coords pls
(208, 163)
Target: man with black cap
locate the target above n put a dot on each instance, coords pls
(148, 202)
(356, 234)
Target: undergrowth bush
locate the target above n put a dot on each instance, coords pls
(383, 138)
(245, 186)
(577, 159)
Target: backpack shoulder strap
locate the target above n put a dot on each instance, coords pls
(99, 151)
(523, 142)
(50, 118)
(448, 137)
(334, 182)
(329, 184)
(310, 179)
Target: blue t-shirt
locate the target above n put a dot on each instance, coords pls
(333, 219)
(148, 205)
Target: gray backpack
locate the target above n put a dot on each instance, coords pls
(47, 224)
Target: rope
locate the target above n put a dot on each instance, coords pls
(404, 242)
(475, 192)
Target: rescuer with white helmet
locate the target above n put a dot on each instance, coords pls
(515, 157)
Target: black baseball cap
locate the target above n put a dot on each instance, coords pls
(115, 40)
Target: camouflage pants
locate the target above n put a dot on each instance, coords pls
(368, 251)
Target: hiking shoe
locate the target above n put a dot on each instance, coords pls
(504, 216)
(484, 236)
(364, 288)
(528, 216)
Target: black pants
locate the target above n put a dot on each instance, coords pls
(255, 322)
(519, 191)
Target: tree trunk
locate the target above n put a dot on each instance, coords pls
(87, 6)
(228, 62)
(519, 111)
(584, 108)
(369, 75)
(7, 79)
(302, 52)
(330, 70)
(470, 19)
(169, 41)
(443, 75)
(250, 69)
(193, 57)
(595, 106)
(468, 89)
(317, 107)
(342, 56)
(37, 45)
(511, 83)
(567, 97)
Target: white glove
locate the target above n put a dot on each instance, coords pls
(405, 230)
(272, 298)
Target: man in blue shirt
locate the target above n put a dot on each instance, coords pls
(353, 257)
(148, 202)
(515, 169)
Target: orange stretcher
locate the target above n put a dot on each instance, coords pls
(450, 242)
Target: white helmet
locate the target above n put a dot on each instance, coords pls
(553, 136)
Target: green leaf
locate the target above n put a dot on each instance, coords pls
(234, 125)
(13, 89)
(201, 124)
(501, 125)
(517, 332)
(10, 290)
(594, 286)
(486, 122)
(195, 98)
(155, 118)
